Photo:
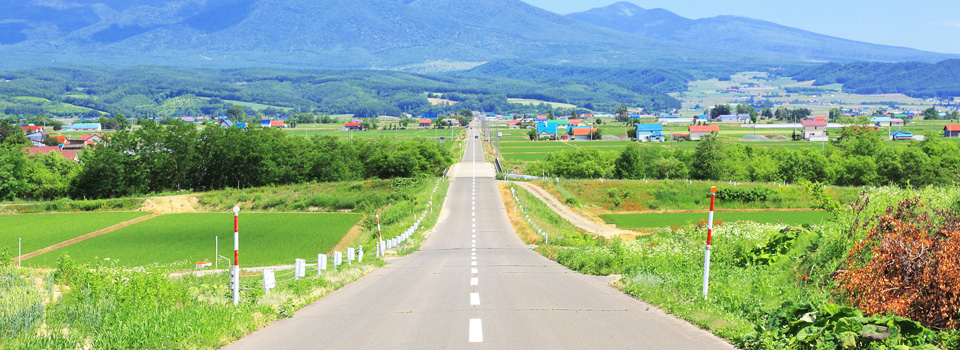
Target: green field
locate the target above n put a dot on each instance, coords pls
(654, 220)
(43, 230)
(265, 239)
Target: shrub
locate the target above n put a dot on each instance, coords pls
(908, 264)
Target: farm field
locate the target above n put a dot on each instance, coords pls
(265, 239)
(334, 130)
(655, 220)
(43, 230)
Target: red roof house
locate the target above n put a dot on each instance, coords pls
(71, 155)
(276, 124)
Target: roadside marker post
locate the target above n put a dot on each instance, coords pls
(236, 256)
(382, 251)
(19, 251)
(706, 258)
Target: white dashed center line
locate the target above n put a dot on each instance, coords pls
(474, 299)
(476, 331)
(474, 281)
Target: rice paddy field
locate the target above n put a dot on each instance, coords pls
(43, 230)
(657, 220)
(180, 240)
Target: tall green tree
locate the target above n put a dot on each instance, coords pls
(720, 110)
(236, 113)
(707, 161)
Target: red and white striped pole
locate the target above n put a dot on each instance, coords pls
(706, 258)
(380, 246)
(236, 256)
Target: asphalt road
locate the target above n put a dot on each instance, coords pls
(475, 284)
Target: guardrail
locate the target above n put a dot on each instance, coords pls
(517, 206)
(270, 278)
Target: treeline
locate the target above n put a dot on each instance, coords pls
(136, 91)
(180, 157)
(859, 158)
(914, 79)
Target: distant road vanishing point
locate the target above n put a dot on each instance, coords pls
(475, 284)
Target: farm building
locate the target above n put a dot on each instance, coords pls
(424, 122)
(29, 129)
(265, 123)
(277, 124)
(546, 130)
(650, 132)
(813, 128)
(575, 122)
(583, 133)
(71, 155)
(901, 136)
(86, 127)
(224, 122)
(429, 116)
(698, 131)
(880, 120)
(452, 122)
(734, 118)
(951, 130)
(352, 126)
(681, 137)
(513, 124)
(896, 122)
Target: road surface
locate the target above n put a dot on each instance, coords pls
(474, 284)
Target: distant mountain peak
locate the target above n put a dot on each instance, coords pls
(753, 37)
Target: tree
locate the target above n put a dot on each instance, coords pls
(767, 113)
(574, 114)
(629, 165)
(720, 110)
(7, 130)
(622, 113)
(466, 112)
(236, 113)
(50, 141)
(707, 162)
(931, 114)
(835, 114)
(18, 140)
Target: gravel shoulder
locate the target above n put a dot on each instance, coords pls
(584, 223)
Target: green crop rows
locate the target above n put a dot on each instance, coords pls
(265, 239)
(43, 230)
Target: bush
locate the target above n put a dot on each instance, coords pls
(744, 195)
(908, 264)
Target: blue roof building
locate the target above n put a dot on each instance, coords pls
(547, 130)
(650, 132)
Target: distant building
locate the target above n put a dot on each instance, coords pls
(813, 128)
(87, 127)
(584, 133)
(646, 131)
(424, 122)
(901, 136)
(547, 130)
(698, 131)
(71, 155)
(734, 118)
(951, 130)
(352, 126)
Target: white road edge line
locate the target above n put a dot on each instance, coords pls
(476, 331)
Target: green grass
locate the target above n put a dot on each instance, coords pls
(43, 230)
(654, 220)
(265, 239)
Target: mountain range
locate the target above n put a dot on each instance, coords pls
(413, 35)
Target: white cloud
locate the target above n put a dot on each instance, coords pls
(952, 24)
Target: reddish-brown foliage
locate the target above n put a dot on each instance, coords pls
(908, 264)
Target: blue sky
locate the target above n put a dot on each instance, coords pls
(932, 25)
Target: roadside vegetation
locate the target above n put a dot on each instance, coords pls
(777, 286)
(858, 158)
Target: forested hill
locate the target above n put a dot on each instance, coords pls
(911, 78)
(661, 80)
(171, 91)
